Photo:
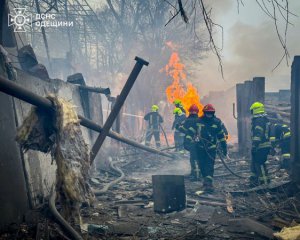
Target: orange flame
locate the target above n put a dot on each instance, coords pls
(180, 88)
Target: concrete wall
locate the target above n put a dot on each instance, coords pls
(40, 171)
(13, 191)
(26, 178)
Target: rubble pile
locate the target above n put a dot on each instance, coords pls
(232, 212)
(125, 210)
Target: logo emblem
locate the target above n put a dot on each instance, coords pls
(19, 19)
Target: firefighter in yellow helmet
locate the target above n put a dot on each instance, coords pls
(261, 145)
(154, 120)
(179, 117)
(178, 104)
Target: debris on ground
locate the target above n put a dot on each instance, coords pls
(126, 210)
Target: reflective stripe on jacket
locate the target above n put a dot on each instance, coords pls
(260, 132)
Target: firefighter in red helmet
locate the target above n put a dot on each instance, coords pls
(209, 133)
(188, 127)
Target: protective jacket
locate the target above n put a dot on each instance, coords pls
(178, 136)
(189, 127)
(179, 119)
(279, 132)
(281, 135)
(210, 131)
(260, 131)
(261, 146)
(154, 120)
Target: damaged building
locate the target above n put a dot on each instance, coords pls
(75, 161)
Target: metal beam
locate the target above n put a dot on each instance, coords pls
(105, 91)
(117, 106)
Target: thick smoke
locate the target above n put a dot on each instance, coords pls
(251, 48)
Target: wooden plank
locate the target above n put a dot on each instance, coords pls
(259, 89)
(248, 97)
(249, 225)
(295, 119)
(239, 99)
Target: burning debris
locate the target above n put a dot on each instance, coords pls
(60, 134)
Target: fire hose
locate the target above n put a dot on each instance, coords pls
(165, 135)
(110, 184)
(221, 155)
(226, 166)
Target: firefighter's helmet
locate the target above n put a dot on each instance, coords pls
(194, 109)
(177, 111)
(154, 108)
(257, 108)
(177, 102)
(209, 108)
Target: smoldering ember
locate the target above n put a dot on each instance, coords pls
(158, 119)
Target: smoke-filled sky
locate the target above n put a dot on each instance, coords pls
(251, 46)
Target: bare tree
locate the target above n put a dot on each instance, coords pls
(275, 9)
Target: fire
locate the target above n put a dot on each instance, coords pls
(180, 88)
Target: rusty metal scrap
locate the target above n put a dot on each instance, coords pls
(117, 106)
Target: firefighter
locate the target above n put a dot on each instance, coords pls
(178, 104)
(209, 134)
(261, 145)
(154, 120)
(188, 127)
(178, 136)
(281, 136)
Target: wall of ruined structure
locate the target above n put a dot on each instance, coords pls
(32, 172)
(39, 168)
(13, 191)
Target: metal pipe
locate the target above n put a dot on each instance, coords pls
(105, 91)
(91, 125)
(13, 89)
(117, 106)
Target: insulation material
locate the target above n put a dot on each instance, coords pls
(59, 133)
(290, 233)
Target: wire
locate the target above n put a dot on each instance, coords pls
(164, 134)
